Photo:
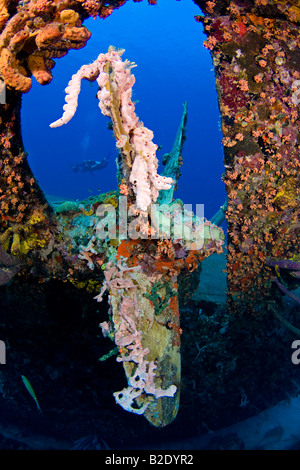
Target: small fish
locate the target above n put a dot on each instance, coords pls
(30, 390)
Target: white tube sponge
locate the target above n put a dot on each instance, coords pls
(90, 72)
(139, 180)
(118, 85)
(144, 178)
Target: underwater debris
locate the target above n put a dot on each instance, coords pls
(290, 266)
(91, 442)
(9, 266)
(172, 161)
(146, 331)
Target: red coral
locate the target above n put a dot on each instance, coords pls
(232, 95)
(242, 29)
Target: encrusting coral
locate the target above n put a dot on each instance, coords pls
(254, 46)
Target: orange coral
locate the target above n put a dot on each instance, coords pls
(38, 32)
(48, 35)
(39, 70)
(11, 73)
(3, 12)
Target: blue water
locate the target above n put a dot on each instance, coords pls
(165, 42)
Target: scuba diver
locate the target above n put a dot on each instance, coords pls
(90, 165)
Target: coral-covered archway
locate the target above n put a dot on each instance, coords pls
(254, 46)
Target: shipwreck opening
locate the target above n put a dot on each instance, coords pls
(235, 356)
(170, 70)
